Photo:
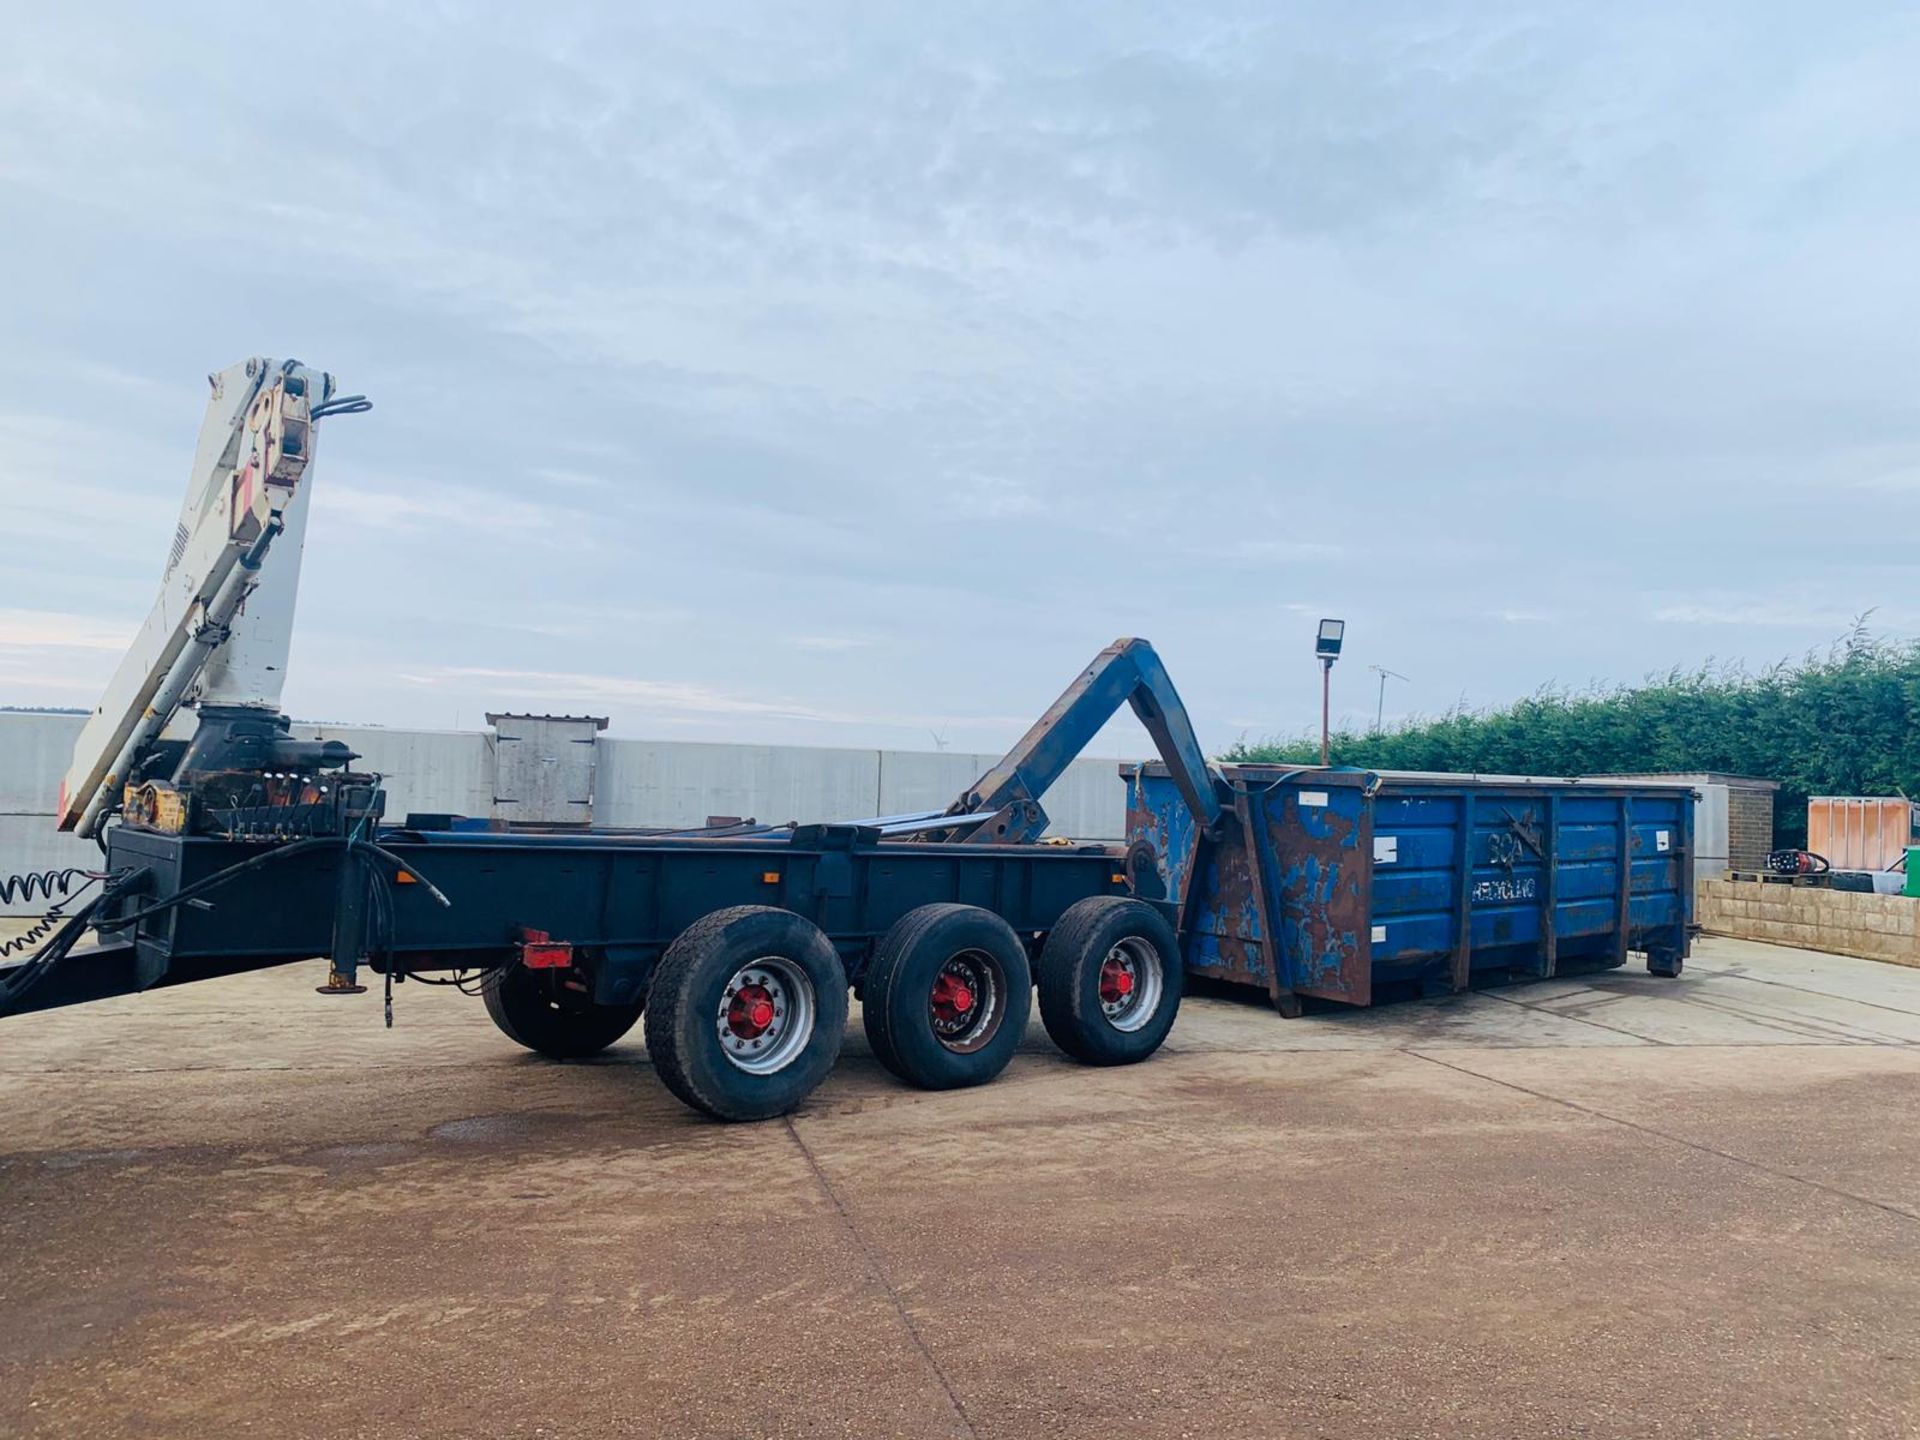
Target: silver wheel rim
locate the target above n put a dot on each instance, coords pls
(765, 1016)
(1131, 983)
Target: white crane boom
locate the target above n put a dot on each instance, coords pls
(219, 632)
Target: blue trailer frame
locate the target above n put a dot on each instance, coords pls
(618, 901)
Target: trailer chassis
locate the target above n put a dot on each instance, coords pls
(945, 923)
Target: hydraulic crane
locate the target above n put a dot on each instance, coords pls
(198, 692)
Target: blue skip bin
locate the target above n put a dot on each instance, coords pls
(1333, 883)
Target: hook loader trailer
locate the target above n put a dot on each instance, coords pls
(231, 845)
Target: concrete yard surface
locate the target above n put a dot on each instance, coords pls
(1605, 1206)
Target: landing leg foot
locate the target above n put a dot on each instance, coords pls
(1665, 963)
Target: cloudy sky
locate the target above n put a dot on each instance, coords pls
(849, 374)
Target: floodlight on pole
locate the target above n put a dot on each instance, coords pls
(1326, 646)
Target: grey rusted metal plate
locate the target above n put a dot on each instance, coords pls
(1279, 900)
(544, 768)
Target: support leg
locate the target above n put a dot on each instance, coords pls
(350, 905)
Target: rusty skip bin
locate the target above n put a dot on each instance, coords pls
(1340, 884)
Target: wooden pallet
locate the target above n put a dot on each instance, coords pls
(1769, 877)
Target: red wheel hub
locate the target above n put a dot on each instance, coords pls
(952, 998)
(750, 1012)
(1116, 981)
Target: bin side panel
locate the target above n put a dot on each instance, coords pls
(1508, 855)
(1430, 879)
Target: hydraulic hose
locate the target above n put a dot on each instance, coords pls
(65, 930)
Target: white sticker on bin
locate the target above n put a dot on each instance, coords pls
(1660, 840)
(1313, 797)
(1386, 849)
(1379, 935)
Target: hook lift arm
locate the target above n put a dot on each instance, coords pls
(1003, 806)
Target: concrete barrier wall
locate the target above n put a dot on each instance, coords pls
(648, 782)
(639, 782)
(1841, 922)
(445, 772)
(34, 750)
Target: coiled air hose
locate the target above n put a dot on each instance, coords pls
(57, 887)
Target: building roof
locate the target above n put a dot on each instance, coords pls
(1696, 777)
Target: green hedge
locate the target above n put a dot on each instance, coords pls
(1843, 723)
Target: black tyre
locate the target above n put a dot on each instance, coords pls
(1110, 980)
(746, 1013)
(533, 1011)
(947, 996)
(1665, 963)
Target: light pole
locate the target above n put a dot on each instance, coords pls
(1327, 647)
(1380, 710)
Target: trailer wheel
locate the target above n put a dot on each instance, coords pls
(746, 1013)
(1110, 980)
(529, 1013)
(947, 996)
